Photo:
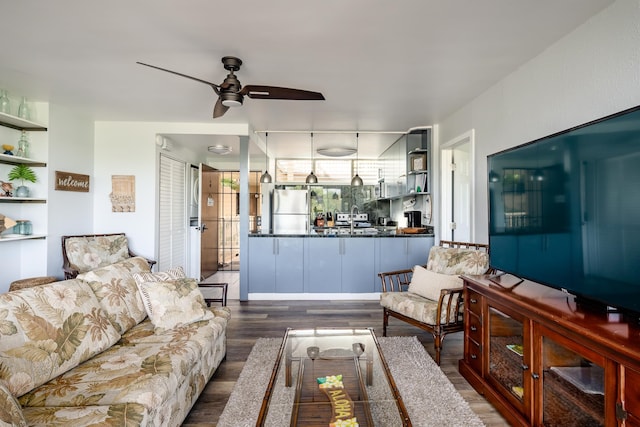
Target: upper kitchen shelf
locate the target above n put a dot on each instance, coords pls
(14, 122)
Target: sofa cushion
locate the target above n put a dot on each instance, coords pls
(415, 306)
(172, 273)
(87, 253)
(172, 303)
(122, 414)
(10, 409)
(429, 284)
(49, 329)
(117, 291)
(162, 372)
(457, 261)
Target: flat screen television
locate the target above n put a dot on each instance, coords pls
(564, 211)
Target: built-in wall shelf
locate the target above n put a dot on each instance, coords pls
(22, 200)
(15, 122)
(15, 160)
(15, 237)
(404, 196)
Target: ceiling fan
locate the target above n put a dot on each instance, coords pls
(231, 93)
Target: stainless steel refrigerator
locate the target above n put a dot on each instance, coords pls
(290, 212)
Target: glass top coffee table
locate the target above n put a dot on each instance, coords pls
(331, 377)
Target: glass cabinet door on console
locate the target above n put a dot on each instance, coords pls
(509, 355)
(572, 383)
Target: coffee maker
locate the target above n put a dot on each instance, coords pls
(414, 219)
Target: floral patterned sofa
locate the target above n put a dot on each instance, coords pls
(430, 297)
(117, 346)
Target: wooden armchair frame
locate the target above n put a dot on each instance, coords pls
(70, 272)
(449, 306)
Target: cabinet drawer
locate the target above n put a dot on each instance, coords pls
(474, 302)
(475, 327)
(474, 356)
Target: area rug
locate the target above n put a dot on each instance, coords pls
(429, 396)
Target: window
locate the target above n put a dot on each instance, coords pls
(328, 171)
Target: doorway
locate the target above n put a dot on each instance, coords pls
(220, 218)
(457, 176)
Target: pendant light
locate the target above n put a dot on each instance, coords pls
(266, 178)
(311, 178)
(356, 181)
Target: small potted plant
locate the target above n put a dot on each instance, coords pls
(23, 173)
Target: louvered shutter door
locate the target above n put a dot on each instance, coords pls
(173, 214)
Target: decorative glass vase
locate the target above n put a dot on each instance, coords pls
(5, 105)
(23, 145)
(24, 227)
(23, 110)
(22, 191)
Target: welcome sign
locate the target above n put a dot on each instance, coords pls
(67, 181)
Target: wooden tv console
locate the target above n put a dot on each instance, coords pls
(541, 360)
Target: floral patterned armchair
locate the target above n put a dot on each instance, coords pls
(430, 296)
(82, 253)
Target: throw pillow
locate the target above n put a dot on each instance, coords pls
(428, 284)
(170, 274)
(172, 303)
(457, 261)
(117, 291)
(10, 409)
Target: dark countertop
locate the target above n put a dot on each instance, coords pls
(316, 236)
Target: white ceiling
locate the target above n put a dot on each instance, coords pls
(382, 65)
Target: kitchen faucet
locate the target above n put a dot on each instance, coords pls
(354, 209)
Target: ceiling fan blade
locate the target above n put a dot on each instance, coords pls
(219, 109)
(213, 85)
(274, 92)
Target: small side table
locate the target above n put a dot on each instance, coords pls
(223, 289)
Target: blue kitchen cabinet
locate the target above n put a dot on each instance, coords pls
(399, 253)
(324, 264)
(262, 265)
(276, 264)
(358, 265)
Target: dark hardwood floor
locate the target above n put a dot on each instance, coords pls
(255, 319)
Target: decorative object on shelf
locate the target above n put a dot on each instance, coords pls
(266, 178)
(24, 112)
(356, 181)
(23, 227)
(7, 189)
(418, 162)
(68, 181)
(23, 145)
(6, 223)
(23, 173)
(5, 104)
(123, 193)
(8, 149)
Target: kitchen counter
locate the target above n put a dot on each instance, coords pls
(344, 232)
(316, 266)
(316, 236)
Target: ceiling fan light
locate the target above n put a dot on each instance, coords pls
(311, 178)
(220, 149)
(231, 99)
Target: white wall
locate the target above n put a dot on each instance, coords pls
(590, 73)
(70, 150)
(129, 148)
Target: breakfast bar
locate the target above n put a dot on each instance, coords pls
(319, 266)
